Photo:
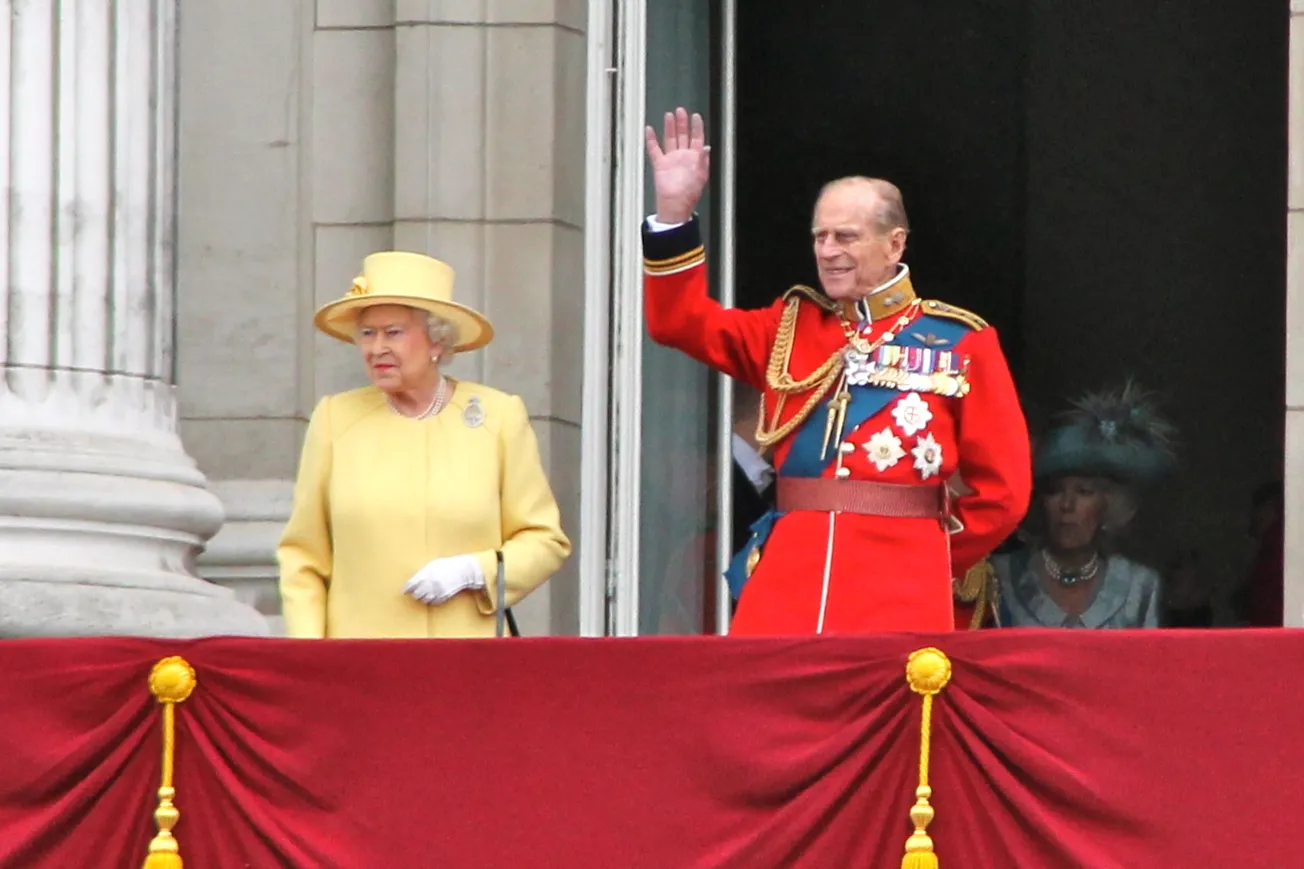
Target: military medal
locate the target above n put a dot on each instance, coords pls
(909, 369)
(884, 449)
(912, 414)
(928, 456)
(857, 366)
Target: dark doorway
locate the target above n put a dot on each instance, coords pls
(1105, 183)
(929, 95)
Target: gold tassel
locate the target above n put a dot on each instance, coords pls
(171, 681)
(164, 861)
(927, 672)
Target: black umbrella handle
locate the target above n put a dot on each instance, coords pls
(500, 613)
(503, 614)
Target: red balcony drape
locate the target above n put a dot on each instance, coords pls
(1050, 749)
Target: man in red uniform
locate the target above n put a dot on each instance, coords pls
(873, 398)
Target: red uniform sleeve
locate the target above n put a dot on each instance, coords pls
(681, 314)
(995, 458)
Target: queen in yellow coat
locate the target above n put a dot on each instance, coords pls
(408, 488)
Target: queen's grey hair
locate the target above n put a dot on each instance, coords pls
(443, 335)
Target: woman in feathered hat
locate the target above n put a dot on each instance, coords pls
(1089, 473)
(409, 488)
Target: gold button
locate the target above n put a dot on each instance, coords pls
(843, 473)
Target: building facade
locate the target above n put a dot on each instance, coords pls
(314, 133)
(505, 137)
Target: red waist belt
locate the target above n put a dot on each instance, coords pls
(827, 495)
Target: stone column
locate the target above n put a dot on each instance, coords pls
(489, 175)
(101, 511)
(1293, 556)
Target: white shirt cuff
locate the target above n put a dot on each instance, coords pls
(657, 226)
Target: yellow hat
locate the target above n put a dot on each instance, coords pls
(411, 279)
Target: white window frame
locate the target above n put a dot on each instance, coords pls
(611, 439)
(596, 579)
(627, 318)
(726, 140)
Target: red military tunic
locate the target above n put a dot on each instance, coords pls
(837, 572)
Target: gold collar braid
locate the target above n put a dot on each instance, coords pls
(820, 381)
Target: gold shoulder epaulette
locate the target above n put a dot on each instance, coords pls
(942, 309)
(799, 291)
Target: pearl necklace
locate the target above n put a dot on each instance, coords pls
(436, 404)
(1085, 574)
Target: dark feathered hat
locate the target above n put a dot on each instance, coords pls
(1117, 434)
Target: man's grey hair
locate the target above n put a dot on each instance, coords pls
(890, 209)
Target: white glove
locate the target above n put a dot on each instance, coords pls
(444, 577)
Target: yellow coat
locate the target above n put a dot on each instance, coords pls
(380, 495)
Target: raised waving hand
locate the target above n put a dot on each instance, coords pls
(681, 165)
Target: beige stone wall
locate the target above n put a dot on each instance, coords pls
(314, 132)
(1294, 554)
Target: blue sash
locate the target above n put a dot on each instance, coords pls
(804, 459)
